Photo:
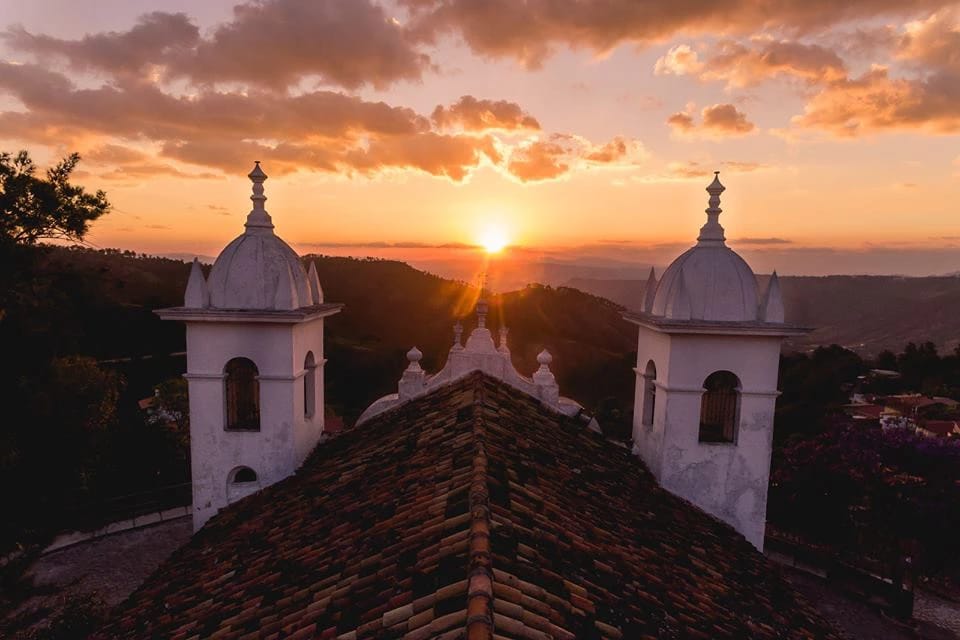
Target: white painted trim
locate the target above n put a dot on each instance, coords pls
(205, 376)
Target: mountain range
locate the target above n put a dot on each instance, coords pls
(866, 314)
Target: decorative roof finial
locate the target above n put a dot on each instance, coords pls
(712, 232)
(458, 336)
(413, 357)
(258, 217)
(482, 308)
(482, 305)
(503, 348)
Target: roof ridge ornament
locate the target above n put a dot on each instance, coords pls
(258, 218)
(482, 304)
(712, 232)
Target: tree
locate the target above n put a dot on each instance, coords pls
(51, 208)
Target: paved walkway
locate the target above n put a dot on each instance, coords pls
(860, 621)
(935, 610)
(108, 568)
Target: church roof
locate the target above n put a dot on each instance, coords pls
(470, 512)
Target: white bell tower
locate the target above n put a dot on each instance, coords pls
(707, 367)
(254, 363)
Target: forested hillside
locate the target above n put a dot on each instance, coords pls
(84, 346)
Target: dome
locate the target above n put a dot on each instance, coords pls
(258, 270)
(709, 281)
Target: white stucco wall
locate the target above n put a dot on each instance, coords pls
(286, 435)
(727, 480)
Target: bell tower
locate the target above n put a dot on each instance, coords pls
(255, 332)
(707, 366)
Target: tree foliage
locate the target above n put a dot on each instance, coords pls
(865, 491)
(48, 208)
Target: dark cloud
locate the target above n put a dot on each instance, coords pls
(272, 43)
(742, 64)
(531, 30)
(275, 42)
(154, 39)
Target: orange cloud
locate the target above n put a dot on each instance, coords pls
(682, 122)
(726, 119)
(718, 121)
(678, 61)
(875, 102)
(934, 42)
(130, 163)
(322, 130)
(472, 114)
(559, 154)
(693, 169)
(540, 160)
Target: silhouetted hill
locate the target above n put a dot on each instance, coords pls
(863, 313)
(101, 303)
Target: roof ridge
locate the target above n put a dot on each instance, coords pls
(479, 624)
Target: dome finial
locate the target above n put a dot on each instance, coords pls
(258, 218)
(712, 232)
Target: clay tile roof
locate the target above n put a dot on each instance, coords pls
(472, 512)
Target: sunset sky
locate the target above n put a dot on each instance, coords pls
(578, 129)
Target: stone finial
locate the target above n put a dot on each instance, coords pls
(197, 295)
(547, 387)
(316, 291)
(544, 359)
(503, 348)
(650, 292)
(712, 232)
(414, 378)
(772, 309)
(414, 356)
(258, 218)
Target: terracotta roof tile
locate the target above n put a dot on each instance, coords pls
(472, 512)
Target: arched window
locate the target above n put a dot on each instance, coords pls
(309, 385)
(242, 475)
(649, 393)
(720, 407)
(242, 395)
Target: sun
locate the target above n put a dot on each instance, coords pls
(494, 240)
